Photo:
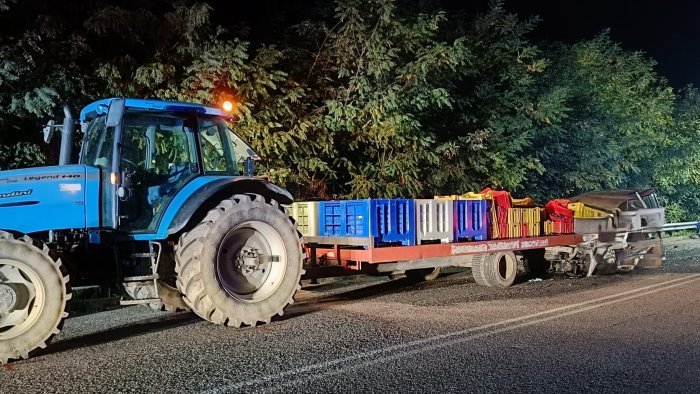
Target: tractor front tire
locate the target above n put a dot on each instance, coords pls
(242, 264)
(34, 296)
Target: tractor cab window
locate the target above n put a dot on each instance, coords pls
(158, 157)
(98, 145)
(217, 156)
(223, 152)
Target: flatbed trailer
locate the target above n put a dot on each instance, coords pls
(331, 256)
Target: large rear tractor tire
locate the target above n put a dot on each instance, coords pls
(34, 296)
(242, 264)
(495, 269)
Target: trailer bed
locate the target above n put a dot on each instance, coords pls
(353, 253)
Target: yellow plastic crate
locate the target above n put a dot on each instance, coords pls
(534, 229)
(306, 216)
(514, 216)
(548, 227)
(532, 215)
(514, 230)
(465, 196)
(581, 211)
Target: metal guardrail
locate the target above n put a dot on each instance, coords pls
(682, 226)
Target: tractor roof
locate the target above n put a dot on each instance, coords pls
(101, 107)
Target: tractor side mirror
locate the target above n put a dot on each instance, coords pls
(249, 167)
(48, 131)
(115, 113)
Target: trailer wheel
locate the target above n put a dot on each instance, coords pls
(34, 296)
(242, 264)
(478, 263)
(495, 269)
(423, 274)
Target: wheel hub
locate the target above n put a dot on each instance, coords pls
(8, 298)
(248, 261)
(247, 264)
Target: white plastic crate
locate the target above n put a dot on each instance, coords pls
(434, 221)
(306, 216)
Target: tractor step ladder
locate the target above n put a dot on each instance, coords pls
(154, 257)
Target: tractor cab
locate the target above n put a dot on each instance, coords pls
(148, 150)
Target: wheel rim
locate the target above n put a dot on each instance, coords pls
(22, 298)
(251, 261)
(505, 267)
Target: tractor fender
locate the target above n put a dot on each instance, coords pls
(203, 194)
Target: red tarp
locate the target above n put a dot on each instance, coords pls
(558, 211)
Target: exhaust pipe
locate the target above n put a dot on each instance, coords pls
(66, 137)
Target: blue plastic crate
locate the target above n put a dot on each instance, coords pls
(386, 221)
(470, 220)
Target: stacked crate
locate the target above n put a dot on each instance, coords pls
(552, 227)
(498, 212)
(305, 214)
(470, 220)
(434, 221)
(560, 219)
(524, 222)
(387, 222)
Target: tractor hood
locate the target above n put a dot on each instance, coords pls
(49, 198)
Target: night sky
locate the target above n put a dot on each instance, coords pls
(668, 31)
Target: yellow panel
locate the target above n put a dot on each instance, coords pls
(582, 211)
(306, 216)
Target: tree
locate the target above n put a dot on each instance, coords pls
(375, 74)
(497, 109)
(616, 122)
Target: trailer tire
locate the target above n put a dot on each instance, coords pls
(478, 268)
(36, 285)
(495, 269)
(226, 266)
(423, 274)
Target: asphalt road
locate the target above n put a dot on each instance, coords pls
(637, 332)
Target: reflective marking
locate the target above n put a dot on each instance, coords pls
(70, 187)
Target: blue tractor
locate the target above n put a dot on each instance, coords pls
(163, 200)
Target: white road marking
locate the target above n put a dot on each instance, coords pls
(319, 370)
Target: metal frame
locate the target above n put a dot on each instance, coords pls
(354, 257)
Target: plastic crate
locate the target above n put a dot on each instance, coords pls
(306, 216)
(498, 224)
(551, 227)
(514, 230)
(582, 211)
(434, 221)
(465, 196)
(388, 222)
(524, 215)
(470, 220)
(534, 229)
(515, 215)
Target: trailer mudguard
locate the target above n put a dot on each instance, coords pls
(204, 193)
(49, 198)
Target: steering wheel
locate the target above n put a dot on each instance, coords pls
(131, 166)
